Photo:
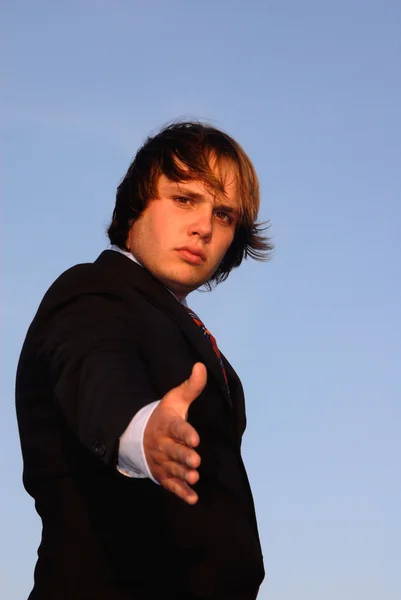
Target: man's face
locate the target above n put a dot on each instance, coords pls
(182, 236)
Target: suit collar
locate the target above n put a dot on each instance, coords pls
(126, 270)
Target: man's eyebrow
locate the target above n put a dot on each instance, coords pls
(176, 188)
(193, 195)
(227, 208)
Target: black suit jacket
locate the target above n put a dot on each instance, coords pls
(107, 339)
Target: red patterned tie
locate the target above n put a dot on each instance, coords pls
(212, 340)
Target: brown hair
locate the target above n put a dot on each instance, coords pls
(183, 151)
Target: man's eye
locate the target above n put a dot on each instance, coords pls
(182, 199)
(223, 217)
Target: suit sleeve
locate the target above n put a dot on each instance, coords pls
(98, 377)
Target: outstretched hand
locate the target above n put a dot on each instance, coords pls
(169, 440)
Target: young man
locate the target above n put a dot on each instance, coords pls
(130, 418)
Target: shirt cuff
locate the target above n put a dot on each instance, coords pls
(131, 455)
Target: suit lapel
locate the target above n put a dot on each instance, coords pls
(156, 294)
(237, 393)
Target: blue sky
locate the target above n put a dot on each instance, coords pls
(312, 91)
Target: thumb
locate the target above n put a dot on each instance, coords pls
(181, 397)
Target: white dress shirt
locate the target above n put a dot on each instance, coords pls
(131, 454)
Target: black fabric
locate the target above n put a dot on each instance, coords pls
(108, 339)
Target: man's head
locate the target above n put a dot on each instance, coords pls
(187, 207)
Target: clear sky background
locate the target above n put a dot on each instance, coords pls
(311, 89)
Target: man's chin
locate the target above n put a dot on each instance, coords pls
(182, 286)
(186, 287)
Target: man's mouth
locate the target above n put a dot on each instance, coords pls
(191, 254)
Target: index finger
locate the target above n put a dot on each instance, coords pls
(181, 431)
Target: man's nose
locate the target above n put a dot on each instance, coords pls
(202, 224)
